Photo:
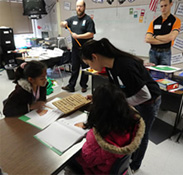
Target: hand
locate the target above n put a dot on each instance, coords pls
(149, 64)
(37, 105)
(80, 125)
(89, 97)
(74, 35)
(63, 24)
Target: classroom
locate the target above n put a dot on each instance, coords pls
(46, 134)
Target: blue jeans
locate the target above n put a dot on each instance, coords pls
(160, 58)
(148, 112)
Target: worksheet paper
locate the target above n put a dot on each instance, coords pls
(63, 133)
(44, 117)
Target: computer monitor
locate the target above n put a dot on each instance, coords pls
(44, 34)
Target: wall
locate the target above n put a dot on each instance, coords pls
(49, 22)
(11, 15)
(115, 23)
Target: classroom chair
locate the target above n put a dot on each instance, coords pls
(65, 60)
(121, 166)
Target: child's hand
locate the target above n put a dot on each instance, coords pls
(80, 125)
(37, 105)
(89, 97)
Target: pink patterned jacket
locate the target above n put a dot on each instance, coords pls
(98, 154)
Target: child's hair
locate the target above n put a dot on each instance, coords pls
(104, 47)
(31, 69)
(170, 1)
(110, 111)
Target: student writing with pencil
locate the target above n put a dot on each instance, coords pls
(82, 28)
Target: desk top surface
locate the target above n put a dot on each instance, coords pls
(21, 153)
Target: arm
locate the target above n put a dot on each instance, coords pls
(168, 37)
(63, 24)
(86, 35)
(15, 105)
(151, 40)
(139, 98)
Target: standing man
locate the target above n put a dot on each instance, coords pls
(83, 29)
(161, 34)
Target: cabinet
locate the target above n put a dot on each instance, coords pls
(7, 45)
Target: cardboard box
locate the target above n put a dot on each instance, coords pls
(166, 84)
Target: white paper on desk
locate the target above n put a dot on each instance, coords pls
(46, 116)
(165, 68)
(62, 134)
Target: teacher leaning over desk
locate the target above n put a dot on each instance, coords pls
(128, 72)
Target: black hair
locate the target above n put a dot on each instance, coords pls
(105, 48)
(169, 1)
(31, 69)
(110, 111)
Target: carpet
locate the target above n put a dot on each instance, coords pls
(160, 131)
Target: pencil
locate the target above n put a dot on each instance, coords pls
(71, 34)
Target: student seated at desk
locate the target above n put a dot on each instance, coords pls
(30, 89)
(116, 129)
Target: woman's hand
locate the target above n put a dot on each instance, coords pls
(89, 97)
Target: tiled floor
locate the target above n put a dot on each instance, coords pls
(165, 158)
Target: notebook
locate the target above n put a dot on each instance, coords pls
(63, 133)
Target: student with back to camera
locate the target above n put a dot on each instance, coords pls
(128, 72)
(116, 129)
(30, 89)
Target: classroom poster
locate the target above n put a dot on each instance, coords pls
(181, 28)
(67, 5)
(177, 58)
(178, 44)
(179, 10)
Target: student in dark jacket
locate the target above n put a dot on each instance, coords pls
(30, 89)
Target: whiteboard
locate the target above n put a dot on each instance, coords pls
(124, 29)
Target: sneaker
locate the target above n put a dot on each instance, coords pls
(134, 171)
(83, 90)
(69, 89)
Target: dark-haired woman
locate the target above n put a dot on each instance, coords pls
(30, 89)
(127, 71)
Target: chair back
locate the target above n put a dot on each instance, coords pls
(121, 165)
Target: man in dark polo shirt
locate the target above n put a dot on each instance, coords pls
(83, 29)
(161, 34)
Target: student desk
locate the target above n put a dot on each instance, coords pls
(49, 62)
(172, 102)
(47, 56)
(21, 153)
